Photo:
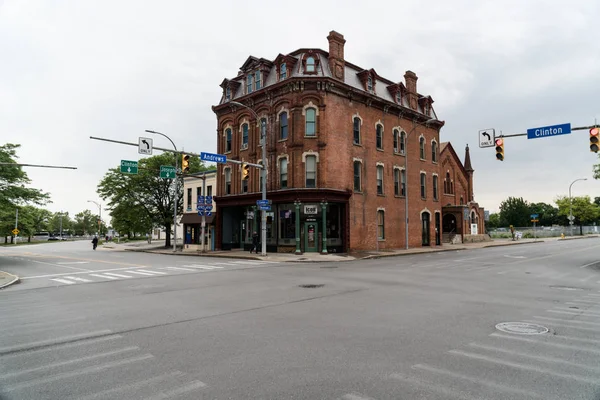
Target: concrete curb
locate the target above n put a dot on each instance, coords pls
(13, 281)
(510, 244)
(374, 256)
(170, 253)
(578, 238)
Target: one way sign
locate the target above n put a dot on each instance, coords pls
(486, 138)
(145, 146)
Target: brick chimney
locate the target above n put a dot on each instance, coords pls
(336, 54)
(410, 79)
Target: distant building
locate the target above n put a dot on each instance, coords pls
(339, 140)
(194, 186)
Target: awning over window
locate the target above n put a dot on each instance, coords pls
(194, 218)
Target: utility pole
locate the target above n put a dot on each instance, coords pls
(16, 224)
(203, 236)
(61, 215)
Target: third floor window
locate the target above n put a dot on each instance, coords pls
(283, 173)
(311, 171)
(356, 129)
(245, 136)
(379, 137)
(311, 122)
(283, 125)
(227, 140)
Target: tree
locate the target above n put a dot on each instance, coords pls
(494, 221)
(85, 223)
(548, 214)
(13, 180)
(54, 224)
(515, 211)
(146, 190)
(584, 210)
(130, 219)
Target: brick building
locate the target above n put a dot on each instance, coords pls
(346, 150)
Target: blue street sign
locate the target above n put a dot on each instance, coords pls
(265, 208)
(263, 202)
(208, 207)
(200, 213)
(200, 207)
(208, 199)
(209, 214)
(218, 158)
(200, 199)
(547, 131)
(534, 216)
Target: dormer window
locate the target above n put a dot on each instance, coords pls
(257, 80)
(282, 72)
(249, 80)
(370, 83)
(227, 94)
(310, 64)
(398, 97)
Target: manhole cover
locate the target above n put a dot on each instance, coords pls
(521, 328)
(312, 286)
(565, 288)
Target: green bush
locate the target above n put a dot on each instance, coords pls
(527, 235)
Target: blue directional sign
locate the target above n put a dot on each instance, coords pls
(200, 199)
(208, 199)
(263, 202)
(265, 208)
(200, 207)
(208, 207)
(200, 213)
(218, 158)
(209, 213)
(548, 131)
(534, 216)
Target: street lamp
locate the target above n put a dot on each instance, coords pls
(99, 216)
(571, 203)
(176, 192)
(263, 216)
(406, 175)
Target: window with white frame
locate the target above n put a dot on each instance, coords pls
(396, 141)
(311, 171)
(310, 64)
(380, 179)
(227, 180)
(249, 80)
(402, 142)
(435, 187)
(380, 224)
(423, 185)
(396, 182)
(356, 129)
(379, 136)
(311, 122)
(357, 176)
(434, 150)
(244, 136)
(283, 125)
(282, 71)
(189, 199)
(283, 173)
(422, 147)
(228, 140)
(403, 182)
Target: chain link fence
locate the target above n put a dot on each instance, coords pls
(542, 232)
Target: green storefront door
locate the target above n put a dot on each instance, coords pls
(311, 237)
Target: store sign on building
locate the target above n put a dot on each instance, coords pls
(311, 210)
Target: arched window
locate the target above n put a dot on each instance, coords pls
(422, 147)
(283, 125)
(396, 141)
(310, 64)
(434, 151)
(379, 136)
(227, 140)
(402, 142)
(311, 171)
(311, 122)
(380, 224)
(227, 180)
(356, 129)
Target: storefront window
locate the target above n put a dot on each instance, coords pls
(287, 222)
(333, 221)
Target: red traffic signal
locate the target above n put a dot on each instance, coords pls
(500, 149)
(594, 133)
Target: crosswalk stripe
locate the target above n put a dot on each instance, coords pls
(208, 267)
(117, 275)
(76, 278)
(179, 268)
(153, 272)
(104, 276)
(66, 282)
(139, 273)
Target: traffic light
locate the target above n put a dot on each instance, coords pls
(500, 149)
(245, 172)
(185, 163)
(594, 133)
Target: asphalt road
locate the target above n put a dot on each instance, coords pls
(411, 327)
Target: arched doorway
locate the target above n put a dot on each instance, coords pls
(425, 228)
(449, 223)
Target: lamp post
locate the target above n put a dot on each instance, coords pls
(99, 216)
(406, 175)
(571, 218)
(263, 137)
(175, 195)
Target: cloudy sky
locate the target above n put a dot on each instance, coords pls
(113, 68)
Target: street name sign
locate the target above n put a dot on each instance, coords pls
(218, 158)
(265, 208)
(145, 146)
(265, 202)
(486, 138)
(167, 172)
(129, 167)
(534, 216)
(548, 131)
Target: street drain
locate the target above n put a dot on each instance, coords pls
(312, 286)
(521, 328)
(565, 288)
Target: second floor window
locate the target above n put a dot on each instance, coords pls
(228, 181)
(380, 179)
(244, 186)
(256, 80)
(396, 141)
(423, 185)
(282, 72)
(311, 171)
(435, 187)
(356, 129)
(357, 183)
(311, 122)
(396, 182)
(245, 136)
(283, 173)
(422, 148)
(403, 182)
(189, 198)
(283, 125)
(227, 140)
(379, 137)
(209, 190)
(402, 142)
(434, 151)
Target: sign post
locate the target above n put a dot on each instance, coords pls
(534, 219)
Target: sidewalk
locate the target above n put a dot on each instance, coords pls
(7, 279)
(157, 247)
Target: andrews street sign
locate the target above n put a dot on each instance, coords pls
(546, 131)
(129, 167)
(218, 158)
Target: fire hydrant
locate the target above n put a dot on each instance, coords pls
(562, 235)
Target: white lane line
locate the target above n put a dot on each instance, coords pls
(587, 265)
(58, 265)
(104, 276)
(63, 346)
(570, 320)
(581, 328)
(525, 367)
(593, 302)
(117, 275)
(57, 340)
(355, 396)
(153, 272)
(593, 294)
(81, 371)
(581, 311)
(573, 312)
(481, 382)
(195, 385)
(67, 362)
(66, 282)
(75, 278)
(205, 267)
(107, 394)
(429, 386)
(73, 262)
(139, 273)
(535, 357)
(78, 273)
(40, 324)
(558, 345)
(247, 262)
(179, 268)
